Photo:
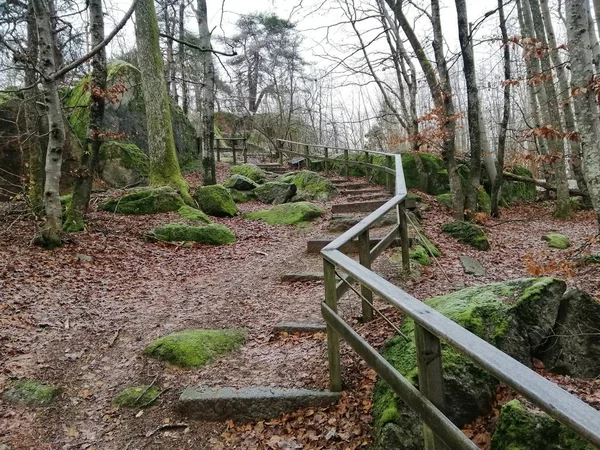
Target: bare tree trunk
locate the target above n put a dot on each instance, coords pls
(497, 184)
(164, 166)
(51, 230)
(82, 187)
(555, 141)
(184, 86)
(582, 73)
(170, 62)
(32, 113)
(207, 100)
(473, 110)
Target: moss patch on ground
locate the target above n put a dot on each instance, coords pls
(216, 201)
(557, 240)
(445, 199)
(288, 214)
(189, 213)
(136, 397)
(30, 393)
(195, 348)
(145, 201)
(311, 185)
(467, 233)
(212, 234)
(251, 171)
(520, 427)
(421, 255)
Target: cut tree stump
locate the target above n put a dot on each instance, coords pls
(253, 403)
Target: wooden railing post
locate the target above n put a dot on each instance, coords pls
(364, 257)
(326, 163)
(233, 148)
(245, 151)
(431, 381)
(389, 176)
(404, 242)
(367, 160)
(333, 339)
(346, 165)
(307, 155)
(219, 150)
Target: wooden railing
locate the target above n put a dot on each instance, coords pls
(430, 328)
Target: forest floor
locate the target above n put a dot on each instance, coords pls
(83, 325)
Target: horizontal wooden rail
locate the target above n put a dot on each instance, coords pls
(342, 149)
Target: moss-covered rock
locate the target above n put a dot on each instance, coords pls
(514, 316)
(522, 427)
(145, 201)
(251, 171)
(513, 191)
(288, 214)
(426, 173)
(310, 185)
(242, 196)
(557, 240)
(484, 202)
(31, 393)
(216, 201)
(189, 213)
(275, 192)
(421, 255)
(467, 233)
(122, 164)
(445, 199)
(195, 348)
(212, 234)
(136, 397)
(240, 183)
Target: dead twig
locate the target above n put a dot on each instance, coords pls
(146, 390)
(155, 398)
(114, 338)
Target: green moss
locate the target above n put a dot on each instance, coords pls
(216, 201)
(213, 234)
(484, 202)
(146, 201)
(128, 154)
(445, 199)
(136, 397)
(251, 171)
(240, 183)
(521, 428)
(242, 196)
(432, 250)
(517, 191)
(591, 259)
(311, 185)
(31, 393)
(288, 214)
(556, 240)
(413, 196)
(195, 348)
(421, 255)
(189, 213)
(467, 233)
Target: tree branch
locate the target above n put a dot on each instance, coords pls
(547, 186)
(196, 47)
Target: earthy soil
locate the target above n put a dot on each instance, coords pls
(83, 325)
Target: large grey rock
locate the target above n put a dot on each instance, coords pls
(574, 347)
(253, 403)
(472, 266)
(240, 183)
(275, 192)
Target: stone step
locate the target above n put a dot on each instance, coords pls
(302, 276)
(268, 165)
(315, 245)
(374, 196)
(339, 224)
(368, 190)
(247, 404)
(357, 185)
(338, 181)
(298, 327)
(366, 206)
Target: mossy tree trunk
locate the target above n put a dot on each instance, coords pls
(51, 230)
(164, 166)
(207, 99)
(82, 186)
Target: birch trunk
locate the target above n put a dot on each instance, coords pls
(51, 229)
(582, 72)
(184, 86)
(82, 186)
(164, 166)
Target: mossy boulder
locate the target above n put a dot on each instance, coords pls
(145, 201)
(426, 173)
(195, 348)
(514, 316)
(521, 426)
(557, 240)
(445, 199)
(310, 185)
(240, 183)
(216, 201)
(251, 171)
(212, 234)
(421, 255)
(122, 164)
(467, 233)
(484, 202)
(136, 397)
(193, 214)
(242, 196)
(275, 192)
(30, 393)
(513, 191)
(299, 213)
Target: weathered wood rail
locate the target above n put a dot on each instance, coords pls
(431, 327)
